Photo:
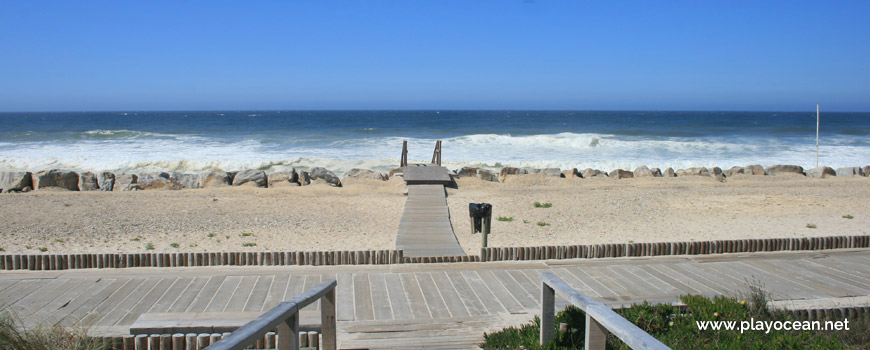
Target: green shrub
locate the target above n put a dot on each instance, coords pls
(848, 217)
(14, 336)
(149, 246)
(811, 225)
(174, 245)
(249, 244)
(541, 223)
(505, 218)
(543, 205)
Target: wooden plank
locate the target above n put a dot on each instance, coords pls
(146, 302)
(223, 294)
(398, 301)
(239, 296)
(717, 286)
(344, 297)
(832, 274)
(639, 281)
(310, 282)
(276, 291)
(504, 297)
(258, 294)
(362, 297)
(32, 301)
(18, 291)
(606, 278)
(468, 296)
(113, 300)
(204, 295)
(165, 302)
(414, 295)
(53, 301)
(449, 295)
(189, 294)
(69, 302)
(114, 315)
(818, 283)
(380, 297)
(436, 305)
(572, 280)
(82, 307)
(528, 285)
(676, 285)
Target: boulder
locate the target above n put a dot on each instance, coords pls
(754, 169)
(15, 180)
(642, 171)
(694, 171)
(319, 173)
(589, 172)
(26, 189)
(734, 171)
(158, 181)
(88, 182)
(621, 174)
(571, 173)
(784, 169)
(511, 171)
(126, 182)
(63, 179)
(284, 178)
(186, 180)
(366, 174)
(106, 181)
(467, 172)
(669, 172)
(821, 172)
(487, 175)
(251, 177)
(545, 171)
(866, 170)
(717, 173)
(214, 178)
(304, 178)
(850, 171)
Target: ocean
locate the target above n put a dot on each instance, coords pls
(191, 141)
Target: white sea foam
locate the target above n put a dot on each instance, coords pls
(130, 151)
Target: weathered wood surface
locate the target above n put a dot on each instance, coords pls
(426, 174)
(425, 228)
(431, 305)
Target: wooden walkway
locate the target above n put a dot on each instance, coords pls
(426, 305)
(425, 228)
(426, 174)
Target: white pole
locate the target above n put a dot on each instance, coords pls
(817, 135)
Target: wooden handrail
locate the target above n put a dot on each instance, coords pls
(404, 162)
(285, 317)
(599, 318)
(436, 156)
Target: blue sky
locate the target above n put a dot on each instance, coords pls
(613, 55)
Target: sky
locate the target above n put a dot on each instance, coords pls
(564, 55)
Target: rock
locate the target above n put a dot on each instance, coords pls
(284, 178)
(669, 172)
(251, 177)
(571, 173)
(467, 172)
(319, 173)
(395, 171)
(487, 175)
(642, 171)
(125, 182)
(694, 171)
(366, 174)
(734, 171)
(821, 172)
(545, 171)
(26, 189)
(159, 181)
(304, 178)
(88, 182)
(754, 169)
(589, 172)
(850, 171)
(866, 170)
(106, 181)
(716, 172)
(15, 180)
(510, 171)
(214, 178)
(784, 169)
(63, 179)
(621, 174)
(190, 181)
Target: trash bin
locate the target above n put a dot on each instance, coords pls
(481, 219)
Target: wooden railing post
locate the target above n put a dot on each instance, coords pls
(327, 320)
(404, 161)
(548, 313)
(596, 334)
(288, 333)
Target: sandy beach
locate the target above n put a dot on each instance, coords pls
(365, 214)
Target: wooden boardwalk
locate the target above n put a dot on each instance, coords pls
(426, 174)
(426, 305)
(425, 228)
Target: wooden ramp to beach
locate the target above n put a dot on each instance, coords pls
(425, 229)
(427, 305)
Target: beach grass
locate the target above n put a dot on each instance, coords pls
(848, 217)
(506, 218)
(811, 225)
(543, 205)
(13, 335)
(542, 223)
